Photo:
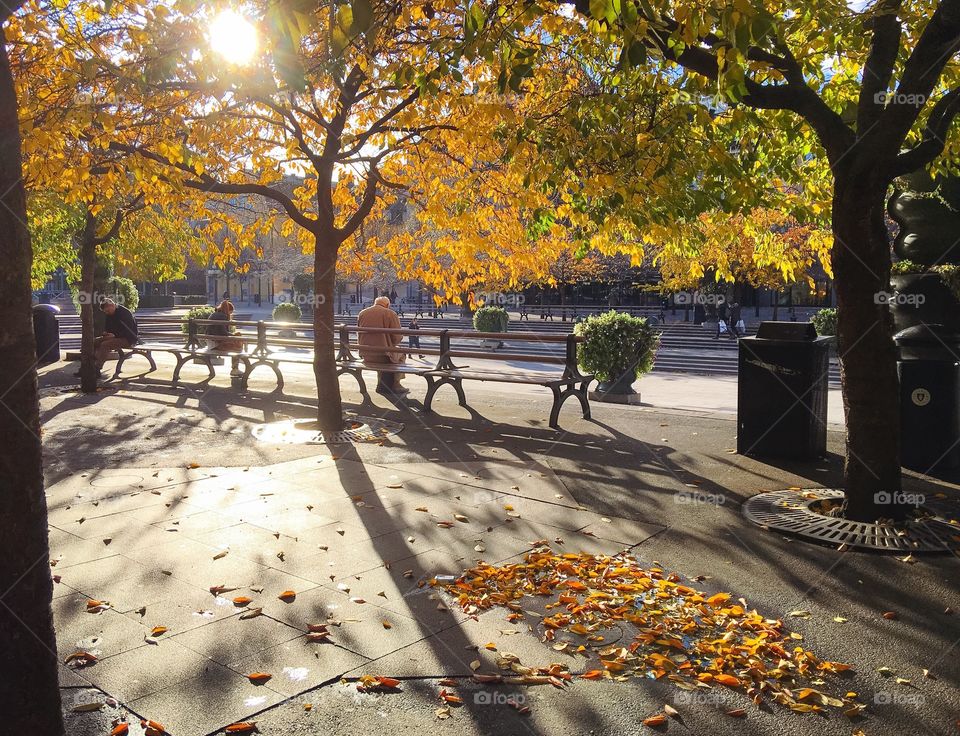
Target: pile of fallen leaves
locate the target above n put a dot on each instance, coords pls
(693, 639)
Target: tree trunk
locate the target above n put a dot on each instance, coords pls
(329, 406)
(871, 403)
(88, 266)
(29, 690)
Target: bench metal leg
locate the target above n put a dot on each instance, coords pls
(245, 378)
(434, 383)
(121, 356)
(582, 394)
(356, 373)
(561, 395)
(182, 359)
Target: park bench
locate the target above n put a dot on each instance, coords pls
(568, 382)
(272, 350)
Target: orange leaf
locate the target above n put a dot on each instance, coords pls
(242, 727)
(657, 720)
(287, 595)
(592, 675)
(121, 729)
(727, 680)
(387, 681)
(242, 600)
(258, 678)
(716, 600)
(158, 630)
(737, 713)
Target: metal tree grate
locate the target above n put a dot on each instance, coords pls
(789, 511)
(299, 432)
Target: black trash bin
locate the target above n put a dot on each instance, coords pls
(929, 370)
(782, 392)
(46, 333)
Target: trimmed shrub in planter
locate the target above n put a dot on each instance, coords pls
(825, 321)
(197, 313)
(618, 348)
(491, 319)
(287, 312)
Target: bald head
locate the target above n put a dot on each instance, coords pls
(382, 301)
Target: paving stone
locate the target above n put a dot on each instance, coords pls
(123, 531)
(205, 703)
(103, 634)
(298, 665)
(69, 550)
(132, 593)
(184, 612)
(149, 668)
(96, 574)
(231, 639)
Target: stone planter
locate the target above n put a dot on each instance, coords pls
(618, 391)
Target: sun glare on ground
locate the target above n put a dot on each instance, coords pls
(233, 37)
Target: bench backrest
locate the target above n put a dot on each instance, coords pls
(272, 335)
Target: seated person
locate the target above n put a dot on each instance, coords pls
(375, 347)
(224, 336)
(119, 331)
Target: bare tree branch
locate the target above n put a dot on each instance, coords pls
(934, 135)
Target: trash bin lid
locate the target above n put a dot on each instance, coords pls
(928, 342)
(792, 331)
(52, 308)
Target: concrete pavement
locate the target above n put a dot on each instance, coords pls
(149, 486)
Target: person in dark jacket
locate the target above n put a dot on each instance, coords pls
(414, 339)
(119, 331)
(223, 335)
(735, 317)
(722, 318)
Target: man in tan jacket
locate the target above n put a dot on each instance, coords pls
(375, 347)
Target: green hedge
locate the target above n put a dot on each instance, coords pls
(615, 341)
(203, 312)
(826, 322)
(287, 312)
(491, 319)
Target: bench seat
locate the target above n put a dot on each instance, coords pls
(569, 382)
